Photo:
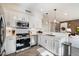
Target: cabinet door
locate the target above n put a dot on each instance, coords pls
(43, 41)
(56, 48)
(39, 39)
(53, 45)
(10, 45)
(48, 44)
(33, 40)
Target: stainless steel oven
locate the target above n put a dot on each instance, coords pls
(22, 24)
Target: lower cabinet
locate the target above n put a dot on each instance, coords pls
(55, 47)
(45, 41)
(39, 39)
(50, 43)
(10, 46)
(33, 39)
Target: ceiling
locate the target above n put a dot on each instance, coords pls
(65, 11)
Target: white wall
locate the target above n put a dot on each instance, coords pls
(1, 10)
(35, 20)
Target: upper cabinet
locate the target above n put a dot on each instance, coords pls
(12, 15)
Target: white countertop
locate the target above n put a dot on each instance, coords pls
(51, 34)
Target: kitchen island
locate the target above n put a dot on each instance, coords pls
(53, 42)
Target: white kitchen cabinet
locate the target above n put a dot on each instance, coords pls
(10, 46)
(51, 43)
(56, 47)
(45, 41)
(39, 39)
(33, 39)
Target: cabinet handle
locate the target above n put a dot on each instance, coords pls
(45, 41)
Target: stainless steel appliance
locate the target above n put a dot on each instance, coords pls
(2, 34)
(22, 35)
(22, 24)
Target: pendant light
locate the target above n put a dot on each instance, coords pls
(55, 15)
(55, 18)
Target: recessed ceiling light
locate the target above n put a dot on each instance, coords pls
(65, 14)
(55, 21)
(41, 9)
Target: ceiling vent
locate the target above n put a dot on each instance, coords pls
(28, 11)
